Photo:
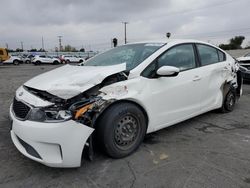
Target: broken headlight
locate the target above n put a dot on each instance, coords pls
(43, 115)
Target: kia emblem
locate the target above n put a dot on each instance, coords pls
(20, 94)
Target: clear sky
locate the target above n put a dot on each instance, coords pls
(93, 23)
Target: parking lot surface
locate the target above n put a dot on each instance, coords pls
(211, 150)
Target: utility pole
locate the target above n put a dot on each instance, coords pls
(125, 31)
(7, 46)
(42, 44)
(60, 43)
(22, 46)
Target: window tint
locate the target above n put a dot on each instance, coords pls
(181, 56)
(42, 56)
(221, 56)
(208, 55)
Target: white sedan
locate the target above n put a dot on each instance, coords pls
(120, 95)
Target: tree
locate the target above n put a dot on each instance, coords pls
(234, 43)
(41, 50)
(82, 50)
(33, 50)
(69, 48)
(19, 50)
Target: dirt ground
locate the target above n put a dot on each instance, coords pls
(211, 150)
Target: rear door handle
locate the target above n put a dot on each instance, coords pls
(225, 68)
(196, 78)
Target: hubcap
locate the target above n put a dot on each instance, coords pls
(230, 101)
(126, 131)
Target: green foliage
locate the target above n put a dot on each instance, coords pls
(69, 48)
(234, 43)
(19, 50)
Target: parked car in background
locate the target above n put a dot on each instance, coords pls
(122, 94)
(27, 58)
(244, 61)
(43, 59)
(15, 60)
(72, 59)
(4, 55)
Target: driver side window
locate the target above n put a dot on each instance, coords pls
(181, 56)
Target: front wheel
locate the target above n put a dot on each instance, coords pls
(16, 62)
(121, 129)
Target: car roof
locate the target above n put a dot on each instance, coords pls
(171, 41)
(176, 41)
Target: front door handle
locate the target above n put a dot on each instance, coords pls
(196, 78)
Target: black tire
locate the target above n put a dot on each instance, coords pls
(27, 61)
(38, 63)
(121, 129)
(67, 61)
(80, 61)
(229, 101)
(56, 62)
(16, 62)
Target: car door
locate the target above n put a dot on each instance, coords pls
(173, 99)
(49, 59)
(42, 58)
(215, 70)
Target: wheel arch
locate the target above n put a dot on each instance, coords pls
(126, 101)
(227, 86)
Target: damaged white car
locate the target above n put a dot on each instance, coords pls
(119, 96)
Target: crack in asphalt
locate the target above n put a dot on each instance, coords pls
(133, 173)
(212, 125)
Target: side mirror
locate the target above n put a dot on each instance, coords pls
(168, 71)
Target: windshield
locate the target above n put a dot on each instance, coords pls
(132, 55)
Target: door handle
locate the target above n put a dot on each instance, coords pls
(196, 78)
(225, 68)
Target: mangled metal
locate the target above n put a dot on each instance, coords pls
(69, 81)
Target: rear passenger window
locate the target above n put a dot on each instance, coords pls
(208, 55)
(222, 56)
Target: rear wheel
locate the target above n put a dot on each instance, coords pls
(229, 101)
(121, 129)
(55, 62)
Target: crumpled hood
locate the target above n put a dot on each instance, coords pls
(68, 81)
